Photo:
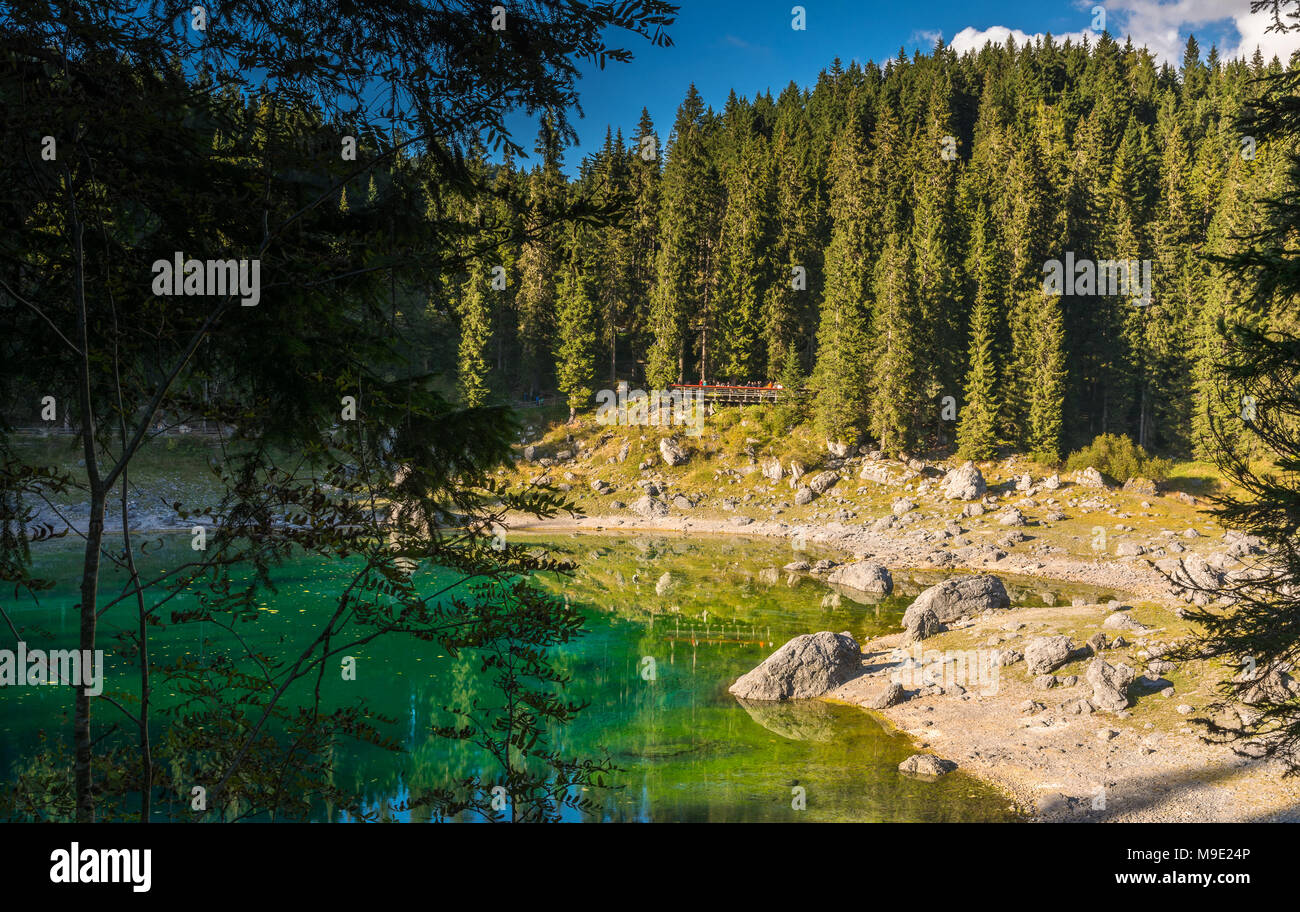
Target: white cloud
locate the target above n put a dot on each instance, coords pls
(1162, 27)
(972, 39)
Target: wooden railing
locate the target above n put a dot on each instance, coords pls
(737, 395)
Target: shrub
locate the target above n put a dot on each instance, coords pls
(1118, 457)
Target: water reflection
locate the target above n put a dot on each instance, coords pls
(672, 622)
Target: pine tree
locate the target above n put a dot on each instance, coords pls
(742, 266)
(1253, 619)
(1046, 366)
(795, 258)
(475, 336)
(935, 245)
(843, 360)
(643, 232)
(1027, 246)
(897, 395)
(539, 261)
(577, 337)
(977, 431)
(685, 272)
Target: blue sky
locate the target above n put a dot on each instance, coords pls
(751, 47)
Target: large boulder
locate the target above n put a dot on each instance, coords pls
(965, 482)
(1121, 621)
(1046, 654)
(878, 473)
(805, 667)
(1109, 684)
(1089, 478)
(796, 472)
(772, 469)
(1192, 573)
(863, 576)
(1143, 486)
(1011, 516)
(823, 482)
(837, 448)
(961, 597)
(1271, 686)
(649, 507)
(673, 454)
(803, 495)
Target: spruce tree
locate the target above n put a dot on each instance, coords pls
(539, 260)
(1046, 374)
(685, 273)
(843, 358)
(742, 265)
(977, 430)
(897, 378)
(577, 323)
(1252, 621)
(475, 311)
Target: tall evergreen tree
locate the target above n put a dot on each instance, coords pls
(686, 267)
(843, 356)
(1045, 364)
(1252, 621)
(539, 259)
(577, 337)
(475, 312)
(977, 431)
(743, 264)
(897, 392)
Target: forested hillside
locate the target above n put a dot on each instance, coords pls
(881, 238)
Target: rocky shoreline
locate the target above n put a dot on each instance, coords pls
(897, 550)
(1046, 738)
(1053, 735)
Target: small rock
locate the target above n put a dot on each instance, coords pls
(672, 454)
(926, 766)
(890, 696)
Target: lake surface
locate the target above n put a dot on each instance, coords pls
(672, 622)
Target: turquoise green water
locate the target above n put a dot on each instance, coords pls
(671, 623)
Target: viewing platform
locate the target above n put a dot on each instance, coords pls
(736, 395)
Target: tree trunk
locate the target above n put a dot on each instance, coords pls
(94, 534)
(89, 605)
(146, 748)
